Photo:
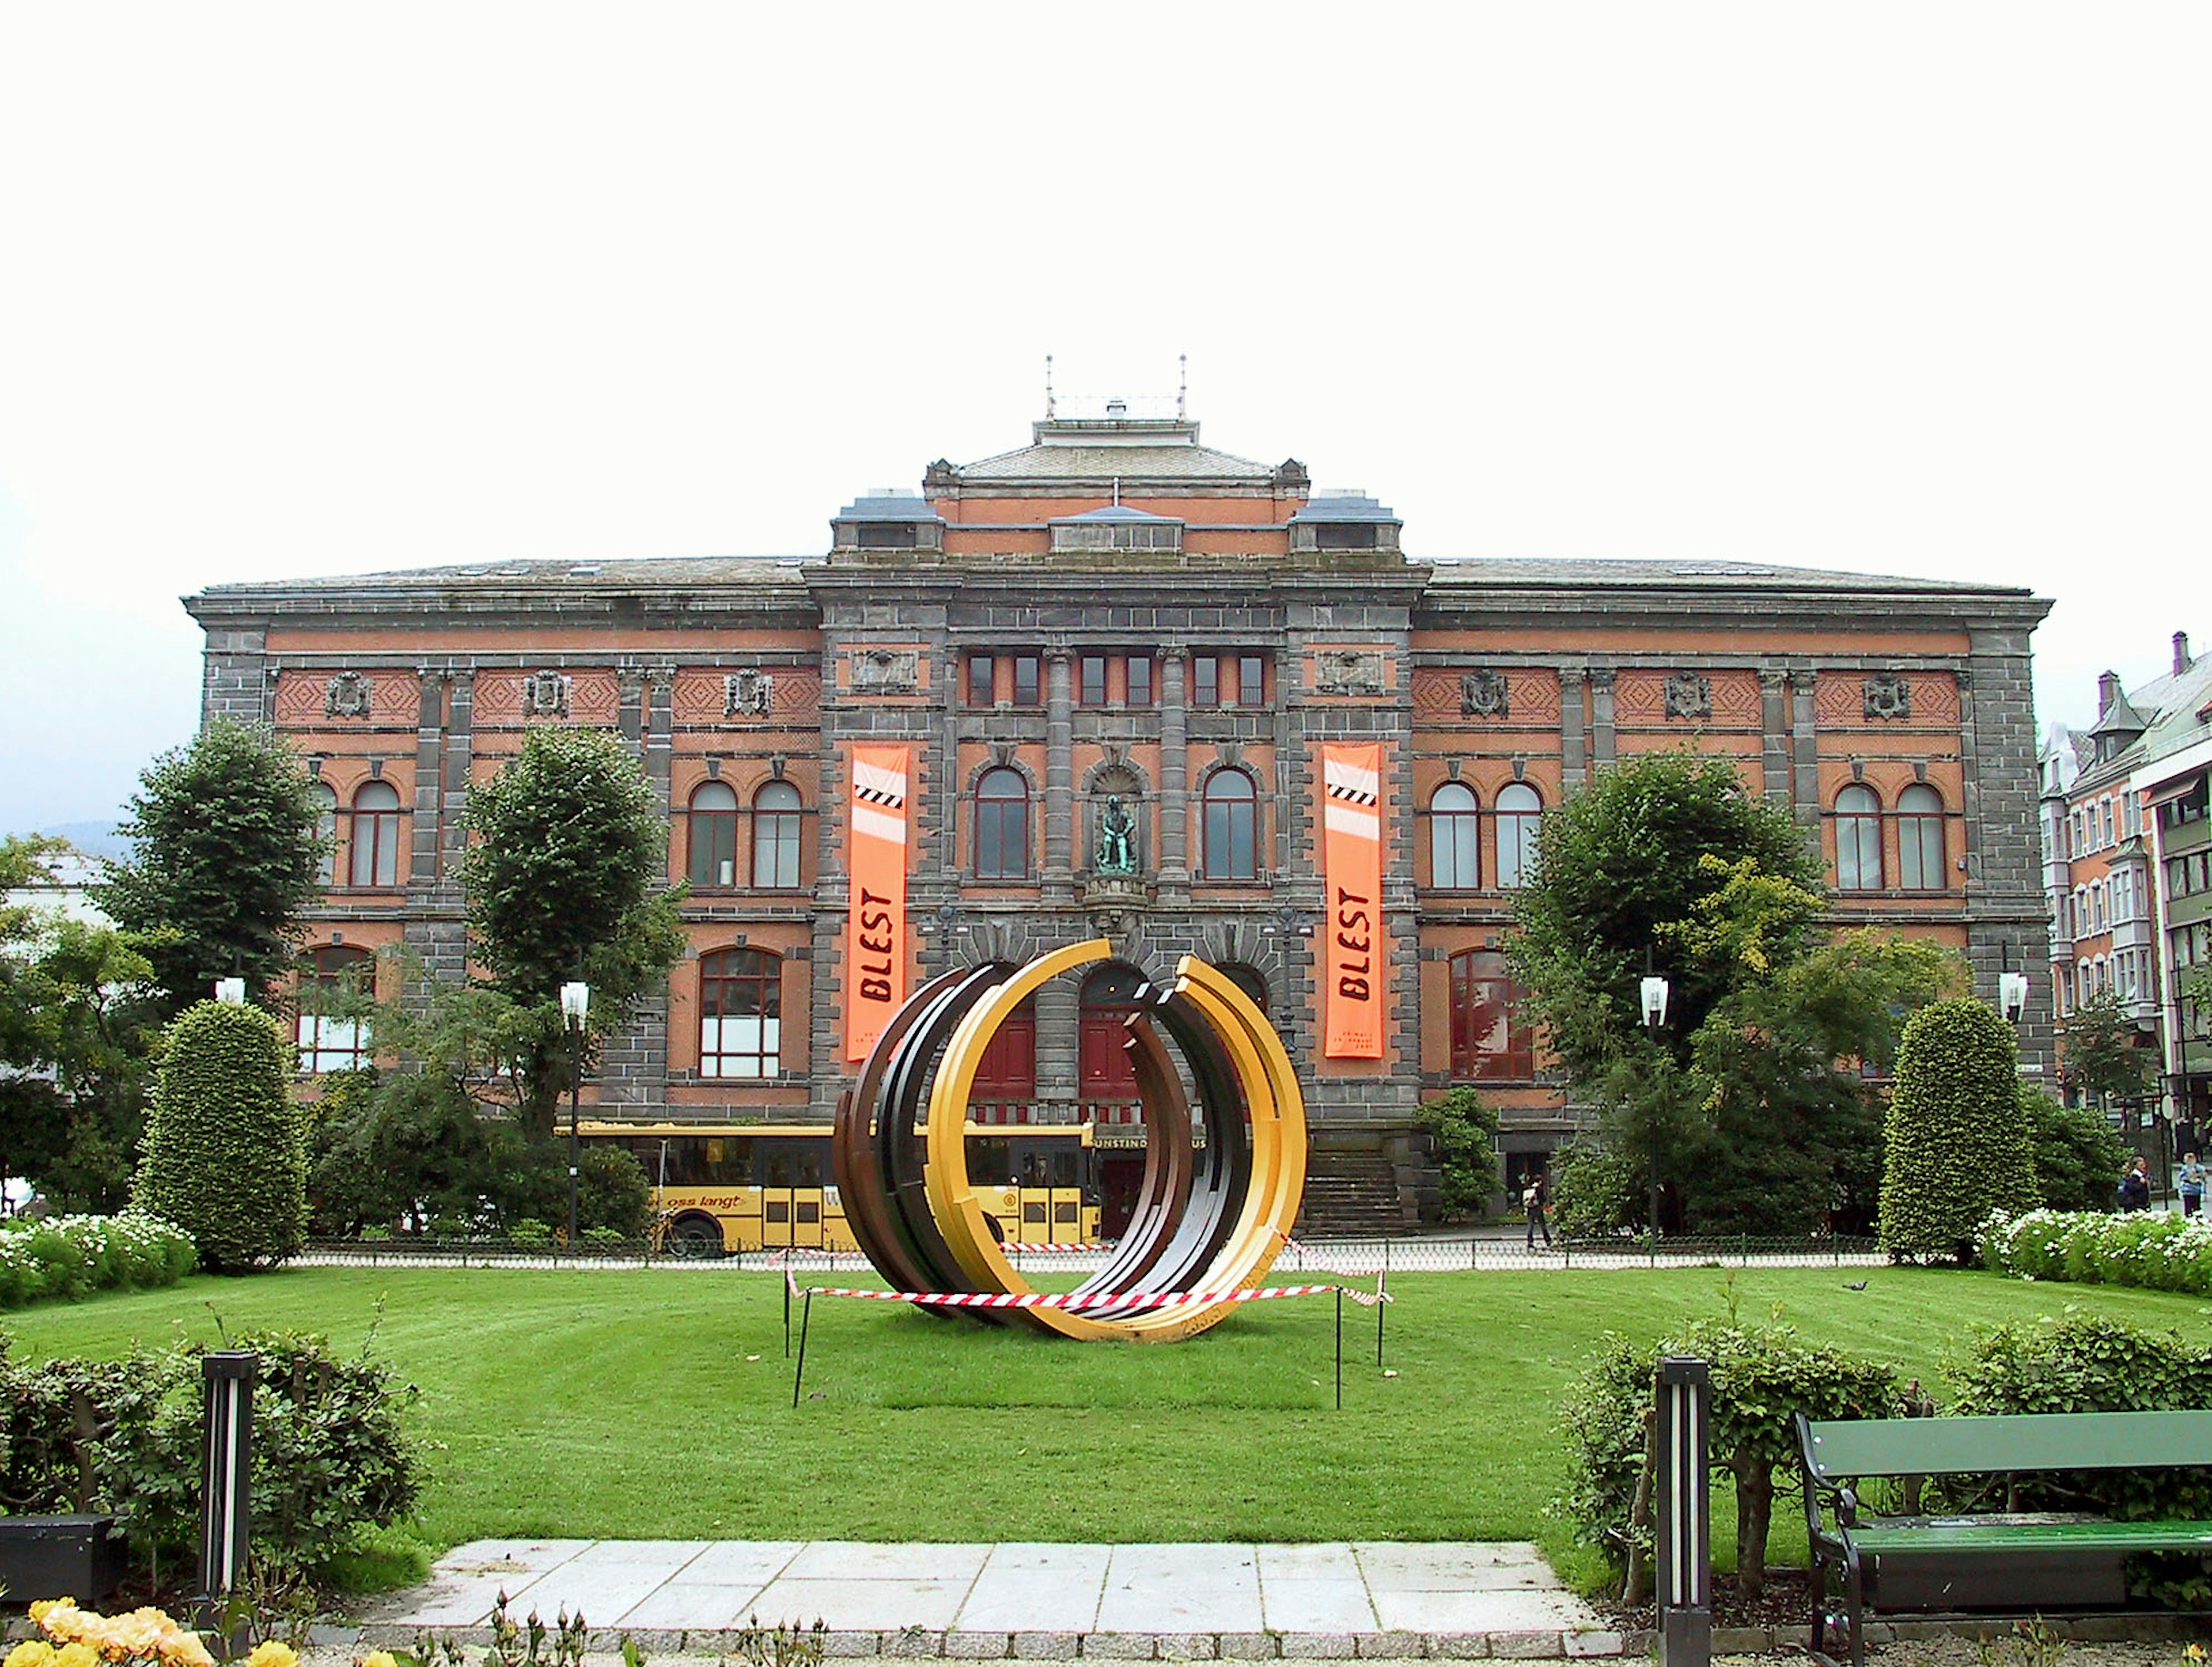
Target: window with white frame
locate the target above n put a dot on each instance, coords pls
(334, 980)
(1519, 820)
(1858, 840)
(1920, 839)
(1454, 837)
(740, 1013)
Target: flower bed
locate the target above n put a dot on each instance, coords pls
(2153, 1251)
(70, 1256)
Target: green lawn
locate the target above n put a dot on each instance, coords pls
(658, 1403)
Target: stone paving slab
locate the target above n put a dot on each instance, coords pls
(1024, 1601)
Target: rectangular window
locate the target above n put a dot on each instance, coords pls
(1489, 1040)
(1251, 680)
(1094, 681)
(1140, 679)
(982, 679)
(1026, 682)
(1205, 679)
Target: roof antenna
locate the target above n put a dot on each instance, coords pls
(1047, 387)
(1182, 385)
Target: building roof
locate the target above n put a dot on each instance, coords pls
(1129, 448)
(888, 505)
(1344, 507)
(1588, 573)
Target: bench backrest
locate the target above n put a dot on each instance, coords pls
(2016, 1441)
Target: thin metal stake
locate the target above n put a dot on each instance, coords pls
(806, 1313)
(1340, 1348)
(787, 1313)
(1379, 1306)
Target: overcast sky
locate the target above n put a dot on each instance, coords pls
(1913, 289)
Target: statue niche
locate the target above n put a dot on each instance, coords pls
(1113, 849)
(1117, 840)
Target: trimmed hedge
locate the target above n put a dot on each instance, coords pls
(331, 1458)
(70, 1256)
(2151, 1249)
(1956, 1140)
(225, 1156)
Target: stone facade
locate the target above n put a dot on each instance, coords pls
(1118, 611)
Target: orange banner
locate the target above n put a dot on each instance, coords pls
(875, 923)
(1351, 857)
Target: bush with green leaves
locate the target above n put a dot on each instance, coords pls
(1956, 1143)
(331, 1456)
(71, 1255)
(224, 1157)
(1597, 1192)
(1462, 1134)
(2078, 1154)
(2089, 1363)
(2152, 1251)
(1762, 1376)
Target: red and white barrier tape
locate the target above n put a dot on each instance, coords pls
(1055, 1247)
(1075, 1300)
(1379, 1275)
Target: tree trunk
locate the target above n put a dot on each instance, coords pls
(1754, 1508)
(1636, 1582)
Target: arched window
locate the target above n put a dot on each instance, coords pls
(1248, 980)
(1232, 838)
(376, 836)
(1002, 826)
(776, 836)
(1858, 840)
(740, 1013)
(713, 836)
(1520, 817)
(332, 980)
(1454, 838)
(1920, 840)
(1489, 1041)
(326, 831)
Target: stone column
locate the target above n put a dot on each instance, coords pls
(1059, 876)
(659, 726)
(233, 675)
(1574, 727)
(1602, 737)
(630, 680)
(1175, 774)
(1805, 748)
(1774, 733)
(460, 747)
(429, 739)
(1058, 1079)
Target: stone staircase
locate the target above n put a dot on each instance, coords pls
(1350, 1194)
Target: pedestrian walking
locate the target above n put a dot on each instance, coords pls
(2135, 1186)
(2192, 1184)
(1532, 1202)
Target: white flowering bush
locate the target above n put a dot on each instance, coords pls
(2151, 1249)
(70, 1256)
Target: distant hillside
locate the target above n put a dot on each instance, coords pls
(92, 839)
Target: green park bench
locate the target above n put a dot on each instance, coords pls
(1869, 1552)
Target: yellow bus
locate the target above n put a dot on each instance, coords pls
(722, 1188)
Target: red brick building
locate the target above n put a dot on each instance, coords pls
(1114, 658)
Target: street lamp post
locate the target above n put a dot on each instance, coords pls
(575, 1006)
(1655, 1015)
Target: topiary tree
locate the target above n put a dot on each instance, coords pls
(1956, 1140)
(225, 1158)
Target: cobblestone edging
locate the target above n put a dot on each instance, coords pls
(921, 1643)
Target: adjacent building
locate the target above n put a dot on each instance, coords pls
(1115, 681)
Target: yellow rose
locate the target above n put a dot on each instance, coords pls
(184, 1650)
(46, 1606)
(76, 1654)
(377, 1659)
(273, 1654)
(34, 1653)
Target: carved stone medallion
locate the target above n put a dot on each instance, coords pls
(1689, 696)
(1348, 671)
(1483, 695)
(1887, 695)
(886, 670)
(348, 695)
(546, 695)
(748, 694)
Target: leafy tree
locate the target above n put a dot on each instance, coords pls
(1620, 875)
(77, 1022)
(1750, 1099)
(1462, 1134)
(2077, 1154)
(224, 1160)
(564, 881)
(2102, 1055)
(1957, 1141)
(1596, 1191)
(225, 854)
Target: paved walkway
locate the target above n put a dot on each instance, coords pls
(1049, 1602)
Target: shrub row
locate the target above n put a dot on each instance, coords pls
(331, 1458)
(70, 1256)
(2153, 1249)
